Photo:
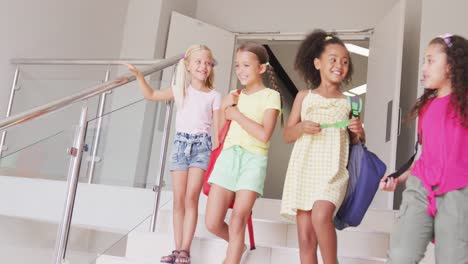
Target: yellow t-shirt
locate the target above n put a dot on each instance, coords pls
(252, 106)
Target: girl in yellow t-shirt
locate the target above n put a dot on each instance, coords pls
(239, 172)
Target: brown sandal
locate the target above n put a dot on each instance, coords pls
(183, 259)
(170, 259)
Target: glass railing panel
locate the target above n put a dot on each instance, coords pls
(46, 158)
(19, 137)
(125, 142)
(119, 198)
(155, 155)
(32, 187)
(40, 84)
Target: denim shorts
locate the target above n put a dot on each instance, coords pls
(190, 150)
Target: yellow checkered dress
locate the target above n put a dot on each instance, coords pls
(317, 168)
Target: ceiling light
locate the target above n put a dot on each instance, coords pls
(359, 90)
(357, 49)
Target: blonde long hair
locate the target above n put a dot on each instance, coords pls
(180, 79)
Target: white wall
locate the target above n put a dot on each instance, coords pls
(292, 16)
(57, 29)
(409, 86)
(440, 17)
(120, 157)
(53, 29)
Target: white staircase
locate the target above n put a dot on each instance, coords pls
(276, 239)
(112, 209)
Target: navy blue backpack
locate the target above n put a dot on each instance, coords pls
(365, 172)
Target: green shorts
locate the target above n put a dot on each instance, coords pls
(238, 169)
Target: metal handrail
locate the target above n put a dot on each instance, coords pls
(76, 154)
(81, 62)
(83, 95)
(9, 107)
(76, 151)
(97, 133)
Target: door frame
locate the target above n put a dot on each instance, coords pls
(345, 35)
(342, 34)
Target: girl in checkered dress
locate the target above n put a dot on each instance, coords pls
(317, 178)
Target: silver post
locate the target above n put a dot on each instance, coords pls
(162, 163)
(10, 105)
(76, 153)
(97, 134)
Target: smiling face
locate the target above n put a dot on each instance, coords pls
(200, 64)
(333, 64)
(248, 68)
(435, 68)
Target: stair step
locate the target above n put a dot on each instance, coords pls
(276, 239)
(106, 259)
(208, 250)
(351, 241)
(278, 260)
(18, 254)
(375, 219)
(151, 245)
(267, 210)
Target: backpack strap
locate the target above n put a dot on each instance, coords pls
(356, 105)
(356, 108)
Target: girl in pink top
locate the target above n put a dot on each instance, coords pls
(197, 113)
(435, 201)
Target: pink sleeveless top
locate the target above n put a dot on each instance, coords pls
(443, 165)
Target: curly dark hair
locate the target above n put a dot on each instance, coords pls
(262, 54)
(457, 59)
(311, 48)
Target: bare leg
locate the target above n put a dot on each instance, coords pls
(322, 220)
(240, 215)
(179, 187)
(307, 238)
(194, 185)
(218, 203)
